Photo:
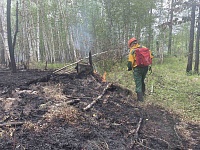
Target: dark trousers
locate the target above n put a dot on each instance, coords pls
(139, 75)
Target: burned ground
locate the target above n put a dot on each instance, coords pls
(41, 111)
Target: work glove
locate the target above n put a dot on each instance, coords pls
(150, 69)
(128, 69)
(129, 66)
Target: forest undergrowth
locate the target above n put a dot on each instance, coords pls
(168, 86)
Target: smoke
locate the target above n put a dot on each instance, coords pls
(82, 37)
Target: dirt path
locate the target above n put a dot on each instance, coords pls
(50, 115)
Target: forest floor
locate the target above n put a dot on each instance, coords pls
(42, 112)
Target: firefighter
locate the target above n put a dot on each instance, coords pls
(139, 73)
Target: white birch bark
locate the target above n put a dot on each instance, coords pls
(4, 28)
(38, 32)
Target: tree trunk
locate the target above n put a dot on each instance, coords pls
(38, 32)
(16, 30)
(150, 30)
(170, 28)
(157, 49)
(190, 54)
(196, 65)
(2, 46)
(10, 45)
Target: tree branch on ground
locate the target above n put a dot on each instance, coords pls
(11, 124)
(99, 97)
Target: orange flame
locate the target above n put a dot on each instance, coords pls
(104, 77)
(95, 72)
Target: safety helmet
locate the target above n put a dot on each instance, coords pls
(130, 41)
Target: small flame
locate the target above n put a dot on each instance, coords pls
(104, 77)
(95, 72)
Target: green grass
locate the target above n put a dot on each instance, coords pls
(172, 87)
(49, 66)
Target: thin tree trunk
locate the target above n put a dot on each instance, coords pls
(52, 44)
(196, 65)
(45, 29)
(16, 30)
(170, 28)
(150, 30)
(38, 32)
(157, 49)
(2, 46)
(25, 31)
(191, 44)
(10, 44)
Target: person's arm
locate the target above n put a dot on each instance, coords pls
(130, 60)
(151, 55)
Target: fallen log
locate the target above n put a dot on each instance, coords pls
(11, 124)
(100, 96)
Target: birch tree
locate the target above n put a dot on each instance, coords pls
(2, 47)
(3, 39)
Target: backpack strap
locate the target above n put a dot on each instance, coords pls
(132, 52)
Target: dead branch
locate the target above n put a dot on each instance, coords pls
(80, 61)
(152, 88)
(70, 70)
(135, 130)
(11, 124)
(72, 97)
(67, 66)
(100, 96)
(73, 101)
(180, 140)
(136, 137)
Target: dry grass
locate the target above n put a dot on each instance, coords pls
(67, 114)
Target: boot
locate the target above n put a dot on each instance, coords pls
(140, 96)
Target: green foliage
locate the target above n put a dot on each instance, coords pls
(103, 66)
(171, 87)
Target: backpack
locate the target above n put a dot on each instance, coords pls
(143, 57)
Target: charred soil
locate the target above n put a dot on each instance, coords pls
(44, 111)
